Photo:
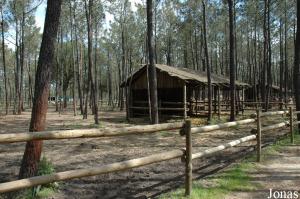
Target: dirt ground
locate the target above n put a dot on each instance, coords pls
(144, 182)
(279, 172)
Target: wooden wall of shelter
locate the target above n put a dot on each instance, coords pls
(254, 93)
(178, 94)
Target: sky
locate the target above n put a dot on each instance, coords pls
(41, 10)
(40, 13)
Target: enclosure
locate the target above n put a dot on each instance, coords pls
(181, 91)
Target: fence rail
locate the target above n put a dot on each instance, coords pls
(88, 133)
(208, 128)
(185, 154)
(78, 173)
(224, 146)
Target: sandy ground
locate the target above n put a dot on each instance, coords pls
(279, 172)
(144, 182)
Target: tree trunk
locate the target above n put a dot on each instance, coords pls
(297, 63)
(231, 61)
(152, 69)
(4, 62)
(17, 70)
(95, 65)
(122, 72)
(79, 73)
(269, 69)
(286, 67)
(208, 69)
(73, 60)
(20, 103)
(33, 149)
(265, 58)
(109, 80)
(89, 16)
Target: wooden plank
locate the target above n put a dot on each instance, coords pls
(184, 101)
(219, 105)
(220, 126)
(213, 150)
(78, 173)
(161, 108)
(139, 107)
(172, 109)
(88, 133)
(162, 102)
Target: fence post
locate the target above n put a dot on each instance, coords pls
(188, 158)
(291, 125)
(184, 101)
(258, 135)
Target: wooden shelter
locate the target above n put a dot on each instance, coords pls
(181, 91)
(252, 93)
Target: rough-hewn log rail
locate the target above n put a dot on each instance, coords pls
(78, 173)
(88, 133)
(223, 146)
(208, 128)
(297, 122)
(263, 114)
(272, 127)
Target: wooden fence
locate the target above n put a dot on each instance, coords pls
(186, 154)
(194, 107)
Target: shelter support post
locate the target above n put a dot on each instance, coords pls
(184, 101)
(219, 103)
(258, 135)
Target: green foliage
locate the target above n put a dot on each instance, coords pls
(44, 191)
(234, 179)
(45, 167)
(216, 120)
(165, 133)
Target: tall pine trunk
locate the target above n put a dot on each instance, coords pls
(208, 69)
(231, 61)
(152, 69)
(4, 61)
(73, 60)
(297, 63)
(33, 149)
(269, 54)
(89, 17)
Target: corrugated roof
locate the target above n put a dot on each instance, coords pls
(188, 75)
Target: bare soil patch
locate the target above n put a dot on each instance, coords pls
(144, 182)
(279, 172)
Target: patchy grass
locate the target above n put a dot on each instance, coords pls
(165, 133)
(43, 191)
(217, 120)
(234, 179)
(75, 125)
(287, 141)
(98, 126)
